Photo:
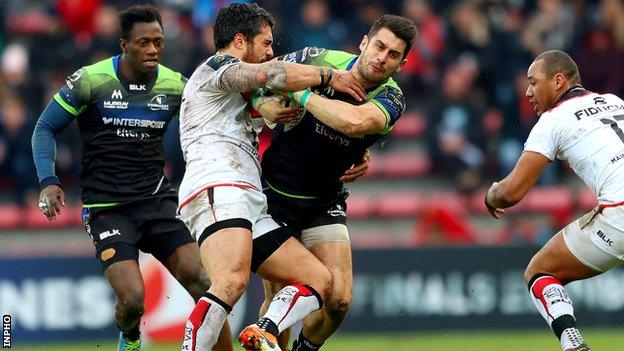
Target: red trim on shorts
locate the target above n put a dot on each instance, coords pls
(242, 185)
(603, 206)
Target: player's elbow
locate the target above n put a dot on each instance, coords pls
(353, 128)
(358, 127)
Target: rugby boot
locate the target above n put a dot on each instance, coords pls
(581, 347)
(128, 345)
(252, 338)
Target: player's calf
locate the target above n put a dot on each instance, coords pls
(554, 304)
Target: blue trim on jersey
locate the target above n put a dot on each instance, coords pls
(116, 63)
(351, 63)
(53, 120)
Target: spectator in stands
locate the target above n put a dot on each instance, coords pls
(317, 26)
(15, 151)
(552, 26)
(456, 115)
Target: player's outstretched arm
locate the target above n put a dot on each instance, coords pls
(279, 75)
(342, 116)
(53, 120)
(517, 184)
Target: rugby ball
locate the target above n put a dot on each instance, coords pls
(281, 127)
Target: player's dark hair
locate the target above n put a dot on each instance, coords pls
(246, 19)
(557, 61)
(402, 27)
(137, 13)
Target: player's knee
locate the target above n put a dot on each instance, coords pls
(324, 284)
(235, 284)
(337, 308)
(196, 282)
(131, 304)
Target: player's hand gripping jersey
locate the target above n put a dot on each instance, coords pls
(218, 135)
(585, 129)
(308, 160)
(121, 124)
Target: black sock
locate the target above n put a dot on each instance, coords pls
(268, 325)
(562, 323)
(303, 344)
(132, 334)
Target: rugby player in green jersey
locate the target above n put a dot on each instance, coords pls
(303, 169)
(122, 106)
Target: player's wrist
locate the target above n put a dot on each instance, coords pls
(327, 74)
(302, 96)
(51, 180)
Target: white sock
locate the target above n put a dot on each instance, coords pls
(292, 304)
(204, 324)
(554, 304)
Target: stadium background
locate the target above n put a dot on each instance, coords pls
(427, 258)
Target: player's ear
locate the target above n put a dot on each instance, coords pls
(364, 42)
(123, 44)
(238, 41)
(559, 80)
(401, 64)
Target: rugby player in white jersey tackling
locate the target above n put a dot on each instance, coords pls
(221, 199)
(583, 128)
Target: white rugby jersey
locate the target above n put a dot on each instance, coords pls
(218, 136)
(585, 129)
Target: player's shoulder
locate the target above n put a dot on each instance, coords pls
(170, 80)
(337, 58)
(217, 61)
(97, 73)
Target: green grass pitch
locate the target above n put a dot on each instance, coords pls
(598, 339)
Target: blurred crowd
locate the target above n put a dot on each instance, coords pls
(466, 75)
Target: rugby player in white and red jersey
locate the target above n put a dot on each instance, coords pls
(584, 129)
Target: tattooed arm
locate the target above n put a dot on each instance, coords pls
(287, 76)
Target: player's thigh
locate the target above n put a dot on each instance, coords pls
(126, 281)
(227, 252)
(293, 263)
(186, 266)
(573, 253)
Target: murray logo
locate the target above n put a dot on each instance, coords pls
(139, 87)
(116, 94)
(158, 102)
(114, 104)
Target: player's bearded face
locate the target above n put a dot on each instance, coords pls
(542, 90)
(381, 56)
(260, 48)
(144, 47)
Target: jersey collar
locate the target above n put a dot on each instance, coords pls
(126, 82)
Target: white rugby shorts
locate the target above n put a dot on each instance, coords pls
(597, 238)
(224, 202)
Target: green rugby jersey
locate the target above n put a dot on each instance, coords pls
(307, 160)
(121, 124)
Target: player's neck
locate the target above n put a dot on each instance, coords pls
(130, 74)
(360, 78)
